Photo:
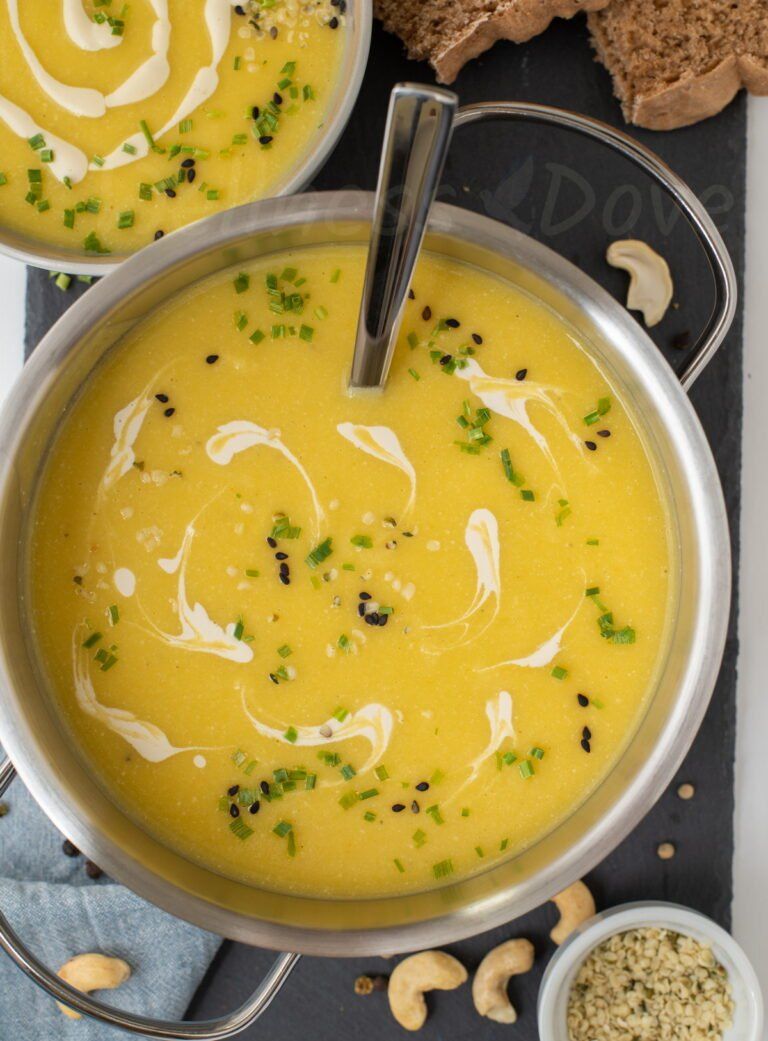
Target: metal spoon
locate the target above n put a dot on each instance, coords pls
(416, 140)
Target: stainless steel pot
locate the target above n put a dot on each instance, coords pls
(359, 16)
(655, 396)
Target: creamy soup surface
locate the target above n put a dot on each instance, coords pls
(349, 645)
(121, 122)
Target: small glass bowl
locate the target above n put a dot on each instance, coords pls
(558, 978)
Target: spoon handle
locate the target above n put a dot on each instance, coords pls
(416, 140)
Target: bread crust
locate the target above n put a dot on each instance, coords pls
(689, 100)
(518, 21)
(691, 97)
(515, 20)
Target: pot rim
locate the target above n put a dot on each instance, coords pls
(698, 675)
(28, 250)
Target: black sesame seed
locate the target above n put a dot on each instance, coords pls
(398, 807)
(159, 234)
(586, 733)
(361, 610)
(285, 569)
(191, 175)
(162, 398)
(586, 745)
(254, 807)
(233, 790)
(277, 98)
(170, 193)
(452, 323)
(411, 295)
(583, 700)
(264, 787)
(93, 870)
(521, 374)
(212, 359)
(415, 807)
(273, 32)
(603, 433)
(426, 314)
(69, 849)
(239, 9)
(187, 164)
(285, 580)
(445, 359)
(383, 619)
(422, 786)
(274, 679)
(591, 446)
(365, 596)
(234, 811)
(255, 112)
(477, 338)
(169, 412)
(271, 542)
(265, 139)
(281, 556)
(334, 23)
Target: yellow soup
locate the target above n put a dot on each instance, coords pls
(121, 122)
(349, 645)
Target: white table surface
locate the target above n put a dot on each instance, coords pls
(750, 905)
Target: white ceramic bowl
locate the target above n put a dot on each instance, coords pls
(557, 981)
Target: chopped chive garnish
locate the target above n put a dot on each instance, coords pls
(415, 374)
(97, 160)
(381, 772)
(239, 757)
(559, 672)
(147, 134)
(239, 828)
(434, 813)
(129, 148)
(291, 735)
(503, 845)
(437, 777)
(369, 793)
(114, 614)
(593, 542)
(364, 541)
(348, 800)
(465, 811)
(527, 495)
(536, 752)
(419, 838)
(348, 771)
(251, 572)
(526, 769)
(369, 815)
(92, 639)
(239, 629)
(592, 591)
(320, 553)
(306, 332)
(443, 868)
(37, 142)
(284, 651)
(565, 511)
(125, 219)
(62, 281)
(310, 781)
(603, 407)
(256, 336)
(282, 828)
(340, 713)
(399, 865)
(242, 282)
(336, 275)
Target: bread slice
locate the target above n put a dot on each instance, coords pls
(675, 62)
(450, 32)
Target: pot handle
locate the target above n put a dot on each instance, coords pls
(206, 1030)
(700, 221)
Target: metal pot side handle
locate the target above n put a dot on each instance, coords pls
(207, 1030)
(709, 237)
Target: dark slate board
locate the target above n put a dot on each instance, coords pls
(538, 181)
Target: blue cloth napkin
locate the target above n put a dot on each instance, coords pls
(59, 912)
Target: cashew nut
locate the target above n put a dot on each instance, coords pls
(413, 977)
(89, 972)
(650, 283)
(489, 987)
(575, 905)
